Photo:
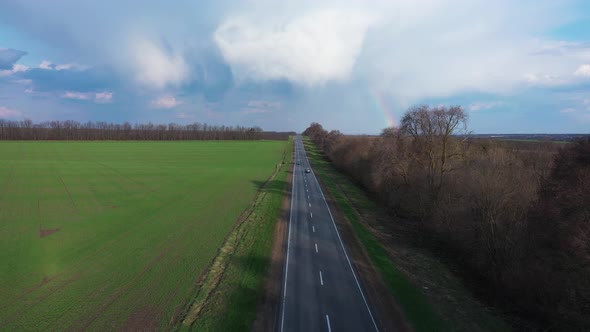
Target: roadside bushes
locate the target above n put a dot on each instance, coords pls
(515, 215)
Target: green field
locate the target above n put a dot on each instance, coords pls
(114, 235)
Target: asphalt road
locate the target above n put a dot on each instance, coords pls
(321, 291)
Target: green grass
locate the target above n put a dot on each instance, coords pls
(138, 223)
(233, 304)
(454, 308)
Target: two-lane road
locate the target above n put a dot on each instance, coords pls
(321, 291)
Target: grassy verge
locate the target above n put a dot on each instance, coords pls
(227, 300)
(443, 305)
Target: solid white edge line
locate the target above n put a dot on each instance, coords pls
(288, 247)
(321, 279)
(328, 321)
(342, 244)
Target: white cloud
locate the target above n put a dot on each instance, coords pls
(24, 81)
(478, 106)
(545, 80)
(406, 49)
(103, 97)
(17, 67)
(184, 115)
(77, 95)
(253, 110)
(264, 103)
(314, 47)
(70, 66)
(580, 115)
(46, 64)
(567, 110)
(6, 112)
(97, 97)
(583, 70)
(166, 102)
(448, 49)
(65, 66)
(156, 67)
(260, 106)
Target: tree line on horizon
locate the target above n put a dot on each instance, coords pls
(515, 216)
(73, 130)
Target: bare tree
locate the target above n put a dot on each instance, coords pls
(432, 131)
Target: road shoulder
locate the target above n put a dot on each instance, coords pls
(268, 311)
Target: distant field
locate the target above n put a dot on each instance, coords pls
(113, 235)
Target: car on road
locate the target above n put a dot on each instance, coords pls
(307, 170)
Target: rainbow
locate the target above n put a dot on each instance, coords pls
(382, 107)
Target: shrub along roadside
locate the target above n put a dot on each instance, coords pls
(227, 299)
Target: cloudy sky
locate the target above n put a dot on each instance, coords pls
(515, 66)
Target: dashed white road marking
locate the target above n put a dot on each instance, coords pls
(321, 279)
(309, 204)
(316, 248)
(345, 254)
(311, 214)
(313, 228)
(328, 321)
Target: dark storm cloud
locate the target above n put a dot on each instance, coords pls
(9, 56)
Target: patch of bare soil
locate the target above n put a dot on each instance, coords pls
(144, 319)
(46, 232)
(388, 314)
(268, 311)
